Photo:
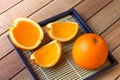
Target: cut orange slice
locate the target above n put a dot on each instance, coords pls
(62, 31)
(26, 34)
(48, 55)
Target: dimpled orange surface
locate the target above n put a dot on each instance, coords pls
(90, 51)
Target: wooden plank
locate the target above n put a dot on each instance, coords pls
(89, 7)
(118, 78)
(9, 4)
(108, 75)
(57, 6)
(112, 36)
(5, 45)
(24, 9)
(8, 47)
(107, 32)
(105, 17)
(41, 13)
(10, 65)
(17, 11)
(114, 72)
(7, 22)
(24, 75)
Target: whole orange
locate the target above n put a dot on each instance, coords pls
(90, 51)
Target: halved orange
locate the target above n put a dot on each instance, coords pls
(48, 55)
(25, 33)
(62, 31)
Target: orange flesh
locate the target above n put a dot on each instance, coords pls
(26, 33)
(47, 55)
(63, 30)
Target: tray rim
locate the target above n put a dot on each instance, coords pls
(83, 25)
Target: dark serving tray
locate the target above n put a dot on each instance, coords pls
(65, 68)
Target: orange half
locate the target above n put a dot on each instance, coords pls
(48, 55)
(62, 31)
(25, 33)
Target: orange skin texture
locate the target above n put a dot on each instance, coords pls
(90, 51)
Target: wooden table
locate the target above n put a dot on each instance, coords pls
(103, 17)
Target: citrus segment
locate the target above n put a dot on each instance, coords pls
(90, 51)
(62, 31)
(26, 34)
(48, 55)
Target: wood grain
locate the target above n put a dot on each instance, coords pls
(87, 16)
(10, 65)
(114, 72)
(27, 8)
(89, 7)
(54, 8)
(5, 45)
(105, 17)
(100, 16)
(39, 15)
(3, 37)
(36, 16)
(24, 75)
(7, 4)
(112, 36)
(23, 9)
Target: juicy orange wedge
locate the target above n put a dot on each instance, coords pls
(62, 31)
(26, 34)
(48, 55)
